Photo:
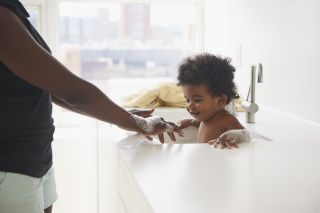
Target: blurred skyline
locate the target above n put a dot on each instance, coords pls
(103, 40)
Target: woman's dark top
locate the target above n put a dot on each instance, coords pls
(26, 125)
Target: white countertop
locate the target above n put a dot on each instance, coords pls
(282, 175)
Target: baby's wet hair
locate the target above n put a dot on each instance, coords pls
(215, 72)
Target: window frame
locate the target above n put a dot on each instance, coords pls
(43, 7)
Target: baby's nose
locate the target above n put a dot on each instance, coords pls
(190, 106)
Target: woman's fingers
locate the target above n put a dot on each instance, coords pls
(165, 126)
(161, 138)
(171, 135)
(172, 127)
(236, 146)
(180, 132)
(216, 145)
(148, 137)
(160, 128)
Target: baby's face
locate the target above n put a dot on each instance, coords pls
(201, 104)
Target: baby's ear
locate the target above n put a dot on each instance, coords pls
(223, 100)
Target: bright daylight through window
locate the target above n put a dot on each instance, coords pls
(34, 13)
(99, 41)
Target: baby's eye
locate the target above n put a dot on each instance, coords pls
(197, 100)
(187, 100)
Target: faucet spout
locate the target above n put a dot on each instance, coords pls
(260, 74)
(253, 84)
(250, 105)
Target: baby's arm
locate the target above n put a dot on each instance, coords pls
(186, 122)
(234, 134)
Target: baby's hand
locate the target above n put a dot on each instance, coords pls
(224, 142)
(231, 139)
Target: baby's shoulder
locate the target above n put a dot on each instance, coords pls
(230, 121)
(228, 117)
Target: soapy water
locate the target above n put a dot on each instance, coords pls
(149, 124)
(231, 138)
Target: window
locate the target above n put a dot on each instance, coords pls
(36, 10)
(111, 43)
(34, 13)
(103, 40)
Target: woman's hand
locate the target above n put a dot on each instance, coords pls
(162, 126)
(169, 127)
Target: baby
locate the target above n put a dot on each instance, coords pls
(207, 82)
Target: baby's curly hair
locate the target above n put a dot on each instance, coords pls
(215, 72)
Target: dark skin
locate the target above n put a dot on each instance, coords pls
(208, 131)
(141, 112)
(21, 53)
(147, 113)
(48, 210)
(209, 115)
(29, 61)
(222, 122)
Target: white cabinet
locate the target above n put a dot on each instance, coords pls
(117, 189)
(130, 195)
(75, 163)
(121, 205)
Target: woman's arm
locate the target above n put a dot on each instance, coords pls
(28, 60)
(60, 102)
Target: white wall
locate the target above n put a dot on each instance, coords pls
(284, 35)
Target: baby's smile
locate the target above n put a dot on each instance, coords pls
(194, 114)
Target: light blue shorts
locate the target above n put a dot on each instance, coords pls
(25, 194)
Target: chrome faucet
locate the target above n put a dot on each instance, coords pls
(250, 105)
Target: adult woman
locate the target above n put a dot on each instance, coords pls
(30, 80)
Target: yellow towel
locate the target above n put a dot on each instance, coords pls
(166, 94)
(238, 105)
